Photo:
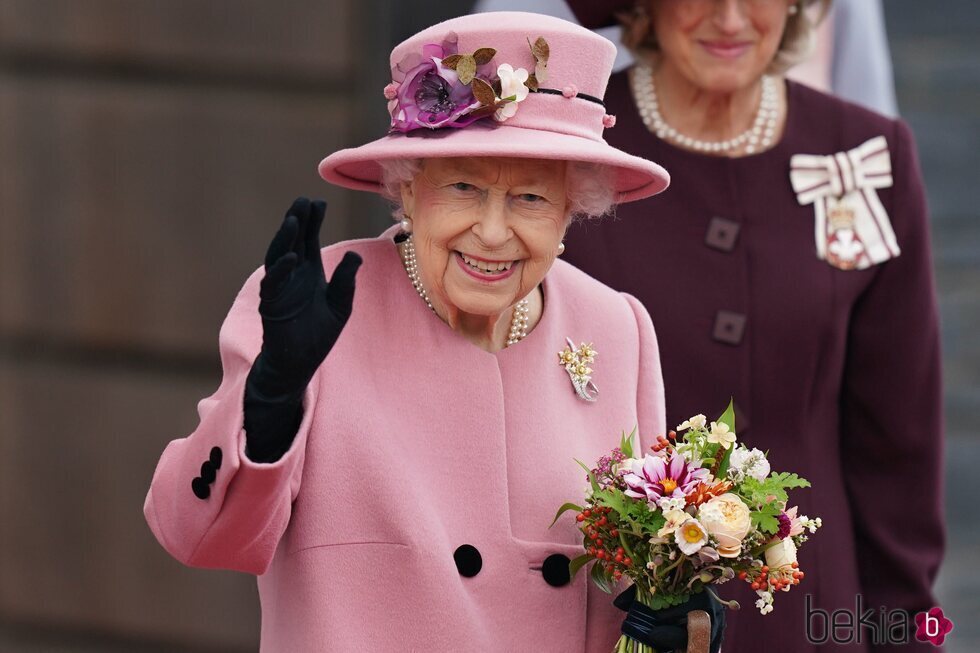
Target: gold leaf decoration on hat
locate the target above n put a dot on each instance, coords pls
(483, 92)
(484, 55)
(451, 61)
(466, 68)
(541, 52)
(532, 82)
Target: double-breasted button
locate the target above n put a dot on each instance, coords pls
(469, 562)
(555, 570)
(201, 488)
(729, 327)
(722, 234)
(216, 457)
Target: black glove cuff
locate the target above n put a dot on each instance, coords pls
(643, 625)
(271, 422)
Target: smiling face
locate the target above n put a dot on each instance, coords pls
(719, 46)
(486, 230)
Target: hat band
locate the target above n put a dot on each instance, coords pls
(566, 93)
(554, 113)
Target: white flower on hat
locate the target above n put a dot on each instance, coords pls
(511, 86)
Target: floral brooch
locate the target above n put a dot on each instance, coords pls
(576, 361)
(440, 87)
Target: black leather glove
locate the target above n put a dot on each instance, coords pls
(302, 317)
(666, 629)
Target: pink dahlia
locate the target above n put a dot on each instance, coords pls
(655, 477)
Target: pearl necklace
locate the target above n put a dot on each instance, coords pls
(758, 136)
(518, 322)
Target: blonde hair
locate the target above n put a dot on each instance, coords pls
(797, 42)
(590, 192)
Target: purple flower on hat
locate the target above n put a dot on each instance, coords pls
(430, 94)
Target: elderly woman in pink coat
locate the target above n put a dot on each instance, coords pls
(388, 461)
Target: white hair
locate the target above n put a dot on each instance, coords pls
(590, 192)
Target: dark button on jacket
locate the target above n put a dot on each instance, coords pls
(831, 364)
(729, 328)
(201, 486)
(721, 234)
(555, 570)
(469, 562)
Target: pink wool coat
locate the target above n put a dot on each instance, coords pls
(413, 443)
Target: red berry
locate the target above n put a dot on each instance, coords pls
(742, 575)
(801, 574)
(587, 512)
(755, 585)
(619, 557)
(794, 564)
(620, 549)
(614, 532)
(580, 517)
(765, 569)
(598, 541)
(627, 561)
(796, 581)
(603, 521)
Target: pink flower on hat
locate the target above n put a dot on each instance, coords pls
(391, 91)
(570, 91)
(608, 121)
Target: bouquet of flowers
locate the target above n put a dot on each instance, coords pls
(698, 511)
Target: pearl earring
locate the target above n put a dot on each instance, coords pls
(793, 9)
(406, 224)
(561, 248)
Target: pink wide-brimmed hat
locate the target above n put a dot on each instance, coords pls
(501, 84)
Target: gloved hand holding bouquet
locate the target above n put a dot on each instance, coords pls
(698, 510)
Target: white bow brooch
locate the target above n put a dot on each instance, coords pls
(852, 228)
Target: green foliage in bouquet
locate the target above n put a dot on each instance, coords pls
(697, 511)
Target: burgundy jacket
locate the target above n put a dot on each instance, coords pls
(836, 373)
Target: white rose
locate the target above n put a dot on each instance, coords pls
(781, 555)
(727, 518)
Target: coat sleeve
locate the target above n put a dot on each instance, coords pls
(234, 521)
(891, 411)
(650, 410)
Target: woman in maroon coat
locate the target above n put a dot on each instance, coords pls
(808, 297)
